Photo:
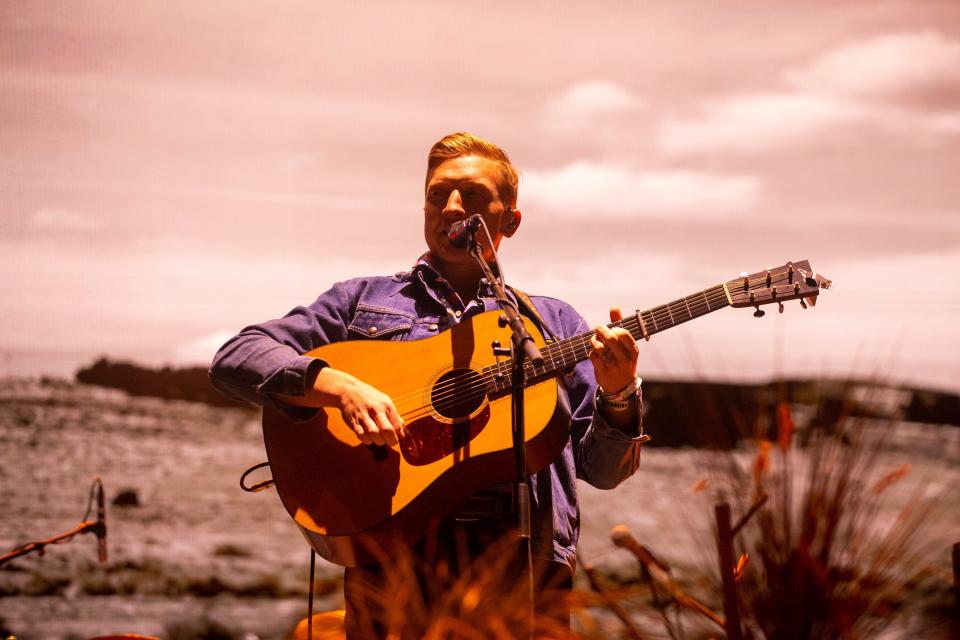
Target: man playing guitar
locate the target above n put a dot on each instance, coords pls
(265, 364)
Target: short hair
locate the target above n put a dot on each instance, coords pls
(463, 143)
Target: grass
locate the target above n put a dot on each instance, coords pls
(820, 564)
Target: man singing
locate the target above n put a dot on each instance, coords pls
(264, 363)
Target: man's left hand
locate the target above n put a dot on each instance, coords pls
(614, 355)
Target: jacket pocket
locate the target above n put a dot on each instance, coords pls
(379, 322)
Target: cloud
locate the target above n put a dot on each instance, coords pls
(867, 83)
(59, 219)
(755, 122)
(883, 66)
(200, 351)
(589, 104)
(584, 187)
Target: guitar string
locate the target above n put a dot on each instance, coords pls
(561, 350)
(456, 387)
(467, 395)
(699, 305)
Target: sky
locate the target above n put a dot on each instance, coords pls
(173, 171)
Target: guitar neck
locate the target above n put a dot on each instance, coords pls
(564, 354)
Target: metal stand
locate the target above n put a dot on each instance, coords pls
(522, 348)
(313, 564)
(97, 527)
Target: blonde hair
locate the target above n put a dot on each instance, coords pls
(463, 143)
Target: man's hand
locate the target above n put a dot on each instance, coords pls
(614, 355)
(365, 409)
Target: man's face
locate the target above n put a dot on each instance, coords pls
(457, 189)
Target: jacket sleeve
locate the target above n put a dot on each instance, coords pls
(604, 455)
(267, 358)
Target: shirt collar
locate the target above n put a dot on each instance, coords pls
(425, 271)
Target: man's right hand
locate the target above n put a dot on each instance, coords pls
(365, 409)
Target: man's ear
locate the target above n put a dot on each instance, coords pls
(511, 221)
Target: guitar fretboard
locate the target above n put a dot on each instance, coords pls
(565, 354)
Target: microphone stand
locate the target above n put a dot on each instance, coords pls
(522, 348)
(97, 527)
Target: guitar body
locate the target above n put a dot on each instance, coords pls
(353, 501)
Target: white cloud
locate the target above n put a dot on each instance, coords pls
(199, 351)
(883, 65)
(755, 123)
(853, 84)
(59, 219)
(588, 103)
(602, 189)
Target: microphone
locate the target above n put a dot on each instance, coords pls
(461, 232)
(101, 527)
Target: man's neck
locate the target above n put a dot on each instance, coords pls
(463, 278)
(466, 282)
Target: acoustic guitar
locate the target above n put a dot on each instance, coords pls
(351, 501)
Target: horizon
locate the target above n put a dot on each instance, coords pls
(175, 171)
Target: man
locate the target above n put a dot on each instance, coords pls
(466, 175)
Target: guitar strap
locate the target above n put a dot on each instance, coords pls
(531, 309)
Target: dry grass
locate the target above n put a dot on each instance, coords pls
(822, 562)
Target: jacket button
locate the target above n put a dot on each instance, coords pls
(372, 330)
(432, 326)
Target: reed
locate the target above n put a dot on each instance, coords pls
(820, 562)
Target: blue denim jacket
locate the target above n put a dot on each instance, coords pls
(267, 359)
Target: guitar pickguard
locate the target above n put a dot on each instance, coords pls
(429, 439)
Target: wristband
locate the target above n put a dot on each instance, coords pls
(622, 400)
(624, 394)
(614, 405)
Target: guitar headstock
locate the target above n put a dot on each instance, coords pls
(792, 281)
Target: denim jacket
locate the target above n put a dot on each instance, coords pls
(266, 359)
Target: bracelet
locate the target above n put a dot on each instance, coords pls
(622, 400)
(624, 394)
(622, 405)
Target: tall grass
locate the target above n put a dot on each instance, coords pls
(823, 564)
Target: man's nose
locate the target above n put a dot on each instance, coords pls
(454, 204)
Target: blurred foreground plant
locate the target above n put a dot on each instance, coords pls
(826, 564)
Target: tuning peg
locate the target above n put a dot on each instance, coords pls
(759, 313)
(790, 273)
(803, 303)
(746, 280)
(769, 277)
(781, 306)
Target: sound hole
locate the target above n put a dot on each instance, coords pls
(458, 393)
